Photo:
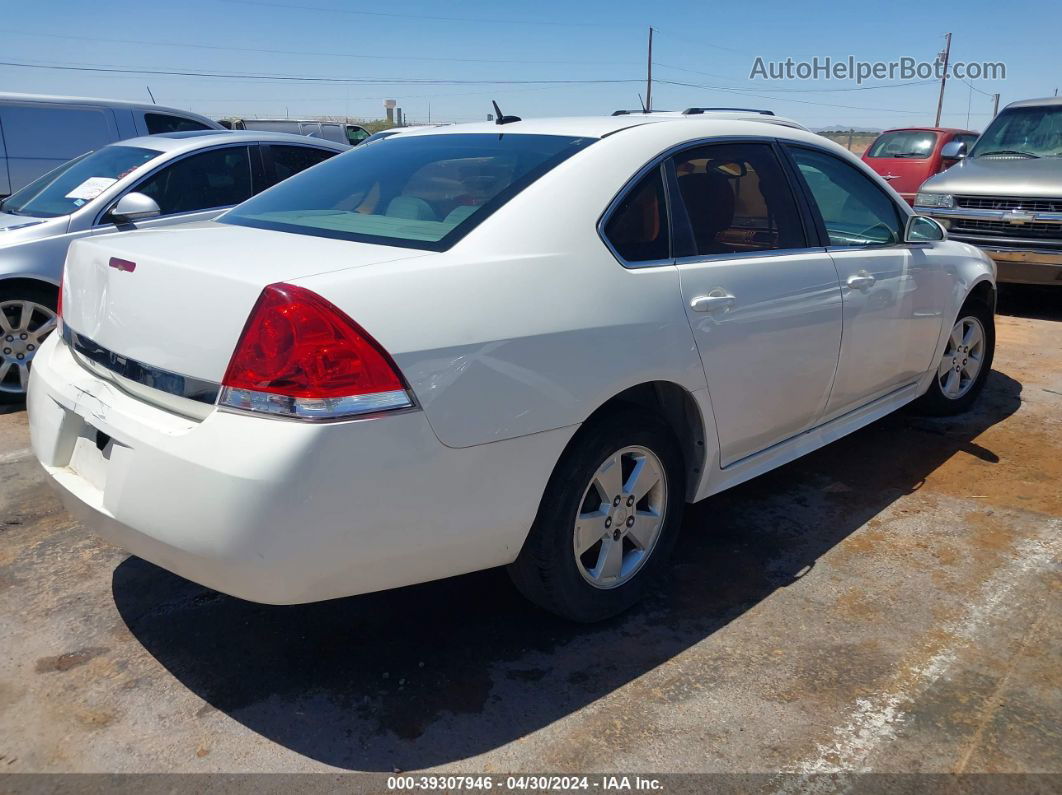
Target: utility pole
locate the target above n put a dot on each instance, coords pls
(943, 77)
(995, 105)
(649, 74)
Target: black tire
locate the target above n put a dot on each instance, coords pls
(44, 296)
(546, 571)
(935, 403)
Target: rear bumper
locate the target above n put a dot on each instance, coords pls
(280, 511)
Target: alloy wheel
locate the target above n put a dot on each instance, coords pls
(24, 325)
(963, 358)
(620, 517)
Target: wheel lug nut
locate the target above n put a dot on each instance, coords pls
(20, 356)
(30, 347)
(7, 351)
(630, 521)
(22, 336)
(9, 338)
(616, 502)
(608, 522)
(630, 501)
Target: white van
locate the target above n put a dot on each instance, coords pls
(339, 132)
(38, 133)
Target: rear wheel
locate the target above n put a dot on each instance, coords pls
(27, 317)
(608, 519)
(964, 365)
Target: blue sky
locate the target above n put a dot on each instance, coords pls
(397, 46)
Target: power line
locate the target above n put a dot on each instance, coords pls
(784, 99)
(226, 48)
(305, 78)
(432, 17)
(804, 90)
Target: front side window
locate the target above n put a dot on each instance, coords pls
(416, 191)
(165, 123)
(737, 199)
(637, 228)
(74, 184)
(355, 135)
(286, 161)
(912, 144)
(1032, 132)
(855, 211)
(217, 178)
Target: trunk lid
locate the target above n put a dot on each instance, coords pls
(177, 299)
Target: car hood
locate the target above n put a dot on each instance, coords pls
(19, 228)
(1001, 176)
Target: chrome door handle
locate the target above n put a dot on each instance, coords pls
(713, 302)
(860, 280)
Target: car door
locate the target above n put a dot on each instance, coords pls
(195, 187)
(890, 293)
(764, 303)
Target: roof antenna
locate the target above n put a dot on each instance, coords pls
(642, 103)
(499, 118)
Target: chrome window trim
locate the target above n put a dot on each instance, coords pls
(657, 162)
(739, 255)
(197, 389)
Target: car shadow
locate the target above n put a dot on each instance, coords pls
(1030, 301)
(439, 672)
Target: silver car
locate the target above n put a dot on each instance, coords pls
(140, 183)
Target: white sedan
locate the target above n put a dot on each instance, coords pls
(526, 344)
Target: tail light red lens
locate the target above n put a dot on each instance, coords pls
(301, 356)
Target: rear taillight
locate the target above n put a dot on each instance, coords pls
(300, 356)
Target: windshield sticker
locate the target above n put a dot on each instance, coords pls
(91, 188)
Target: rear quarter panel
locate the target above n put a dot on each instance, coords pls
(529, 323)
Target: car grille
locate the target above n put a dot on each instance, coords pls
(1009, 203)
(1030, 231)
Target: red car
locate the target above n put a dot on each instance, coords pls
(909, 156)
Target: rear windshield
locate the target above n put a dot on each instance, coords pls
(416, 191)
(74, 184)
(904, 143)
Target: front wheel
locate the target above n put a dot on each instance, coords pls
(608, 518)
(27, 317)
(964, 365)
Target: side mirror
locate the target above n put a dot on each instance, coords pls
(953, 150)
(134, 207)
(922, 229)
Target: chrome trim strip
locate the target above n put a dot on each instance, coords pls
(172, 383)
(986, 215)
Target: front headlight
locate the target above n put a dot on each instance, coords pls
(934, 200)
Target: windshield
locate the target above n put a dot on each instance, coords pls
(904, 143)
(78, 182)
(1023, 131)
(417, 191)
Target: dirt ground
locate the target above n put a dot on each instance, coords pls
(890, 603)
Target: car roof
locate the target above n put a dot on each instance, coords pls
(601, 126)
(199, 139)
(930, 129)
(1032, 103)
(113, 103)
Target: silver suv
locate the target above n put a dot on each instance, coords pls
(1006, 194)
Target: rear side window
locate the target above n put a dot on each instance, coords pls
(286, 161)
(52, 133)
(165, 123)
(417, 191)
(855, 211)
(736, 199)
(355, 135)
(913, 144)
(217, 178)
(637, 228)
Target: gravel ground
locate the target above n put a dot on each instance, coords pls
(890, 603)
